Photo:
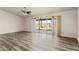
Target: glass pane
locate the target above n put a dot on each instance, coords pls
(43, 24)
(37, 24)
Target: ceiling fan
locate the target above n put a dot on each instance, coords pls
(26, 11)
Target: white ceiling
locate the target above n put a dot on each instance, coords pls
(35, 10)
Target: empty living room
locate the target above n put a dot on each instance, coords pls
(39, 29)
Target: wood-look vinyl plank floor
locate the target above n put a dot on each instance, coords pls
(23, 41)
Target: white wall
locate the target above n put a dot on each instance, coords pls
(28, 24)
(68, 21)
(78, 24)
(69, 24)
(10, 22)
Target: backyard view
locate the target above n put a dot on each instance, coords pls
(44, 24)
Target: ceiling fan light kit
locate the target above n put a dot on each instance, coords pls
(25, 11)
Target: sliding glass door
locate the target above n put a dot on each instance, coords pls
(44, 25)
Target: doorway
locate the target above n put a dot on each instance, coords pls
(56, 25)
